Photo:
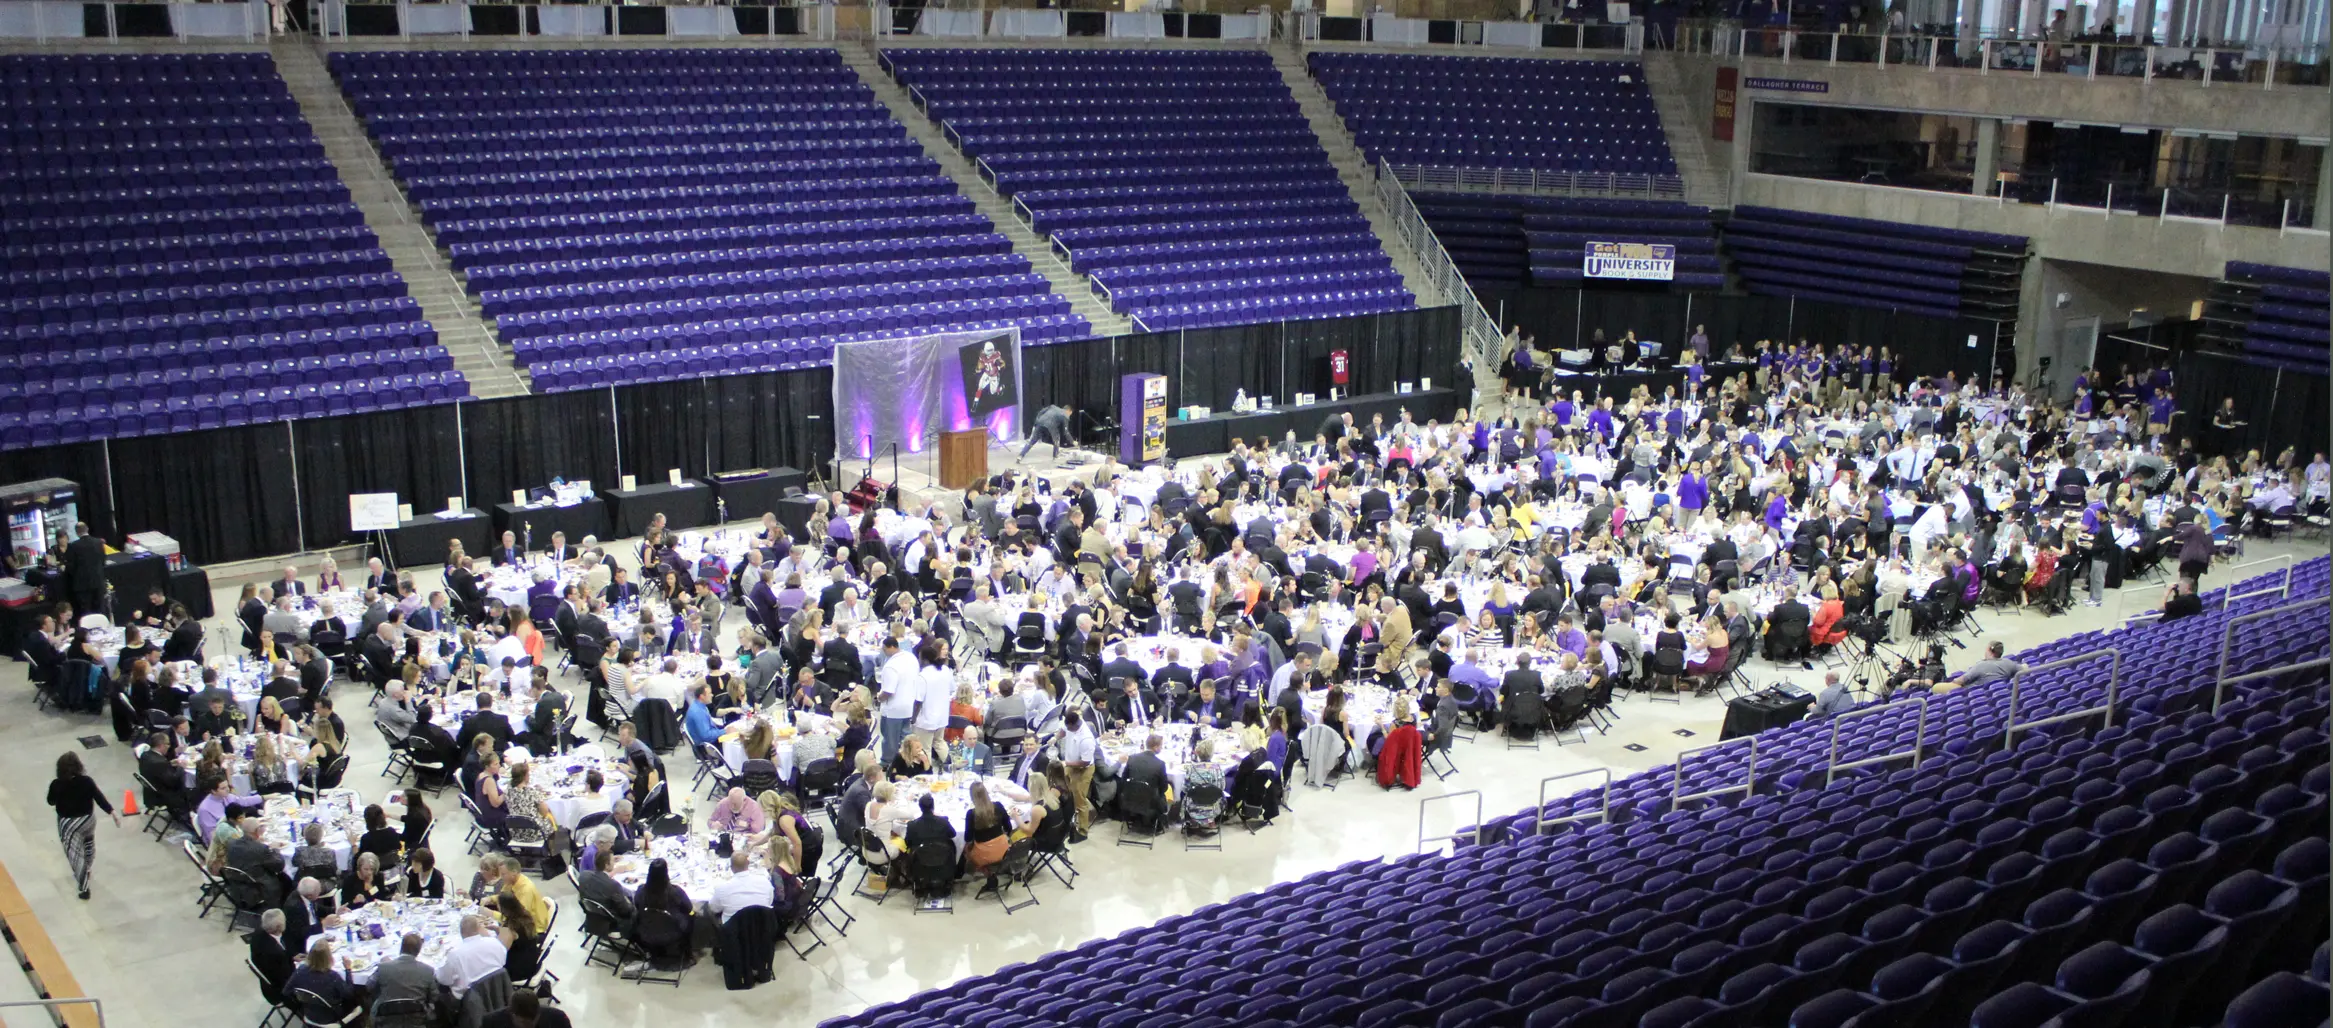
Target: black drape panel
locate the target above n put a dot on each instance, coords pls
(83, 464)
(665, 425)
(523, 442)
(1216, 363)
(1411, 346)
(226, 494)
(1081, 376)
(1306, 348)
(409, 452)
(1655, 315)
(1157, 353)
(768, 421)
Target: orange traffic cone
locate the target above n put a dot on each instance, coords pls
(129, 801)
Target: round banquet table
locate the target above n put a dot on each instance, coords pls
(373, 934)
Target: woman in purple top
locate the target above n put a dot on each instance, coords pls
(1482, 436)
(1692, 493)
(1777, 508)
(1887, 365)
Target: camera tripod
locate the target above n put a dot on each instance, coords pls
(1873, 662)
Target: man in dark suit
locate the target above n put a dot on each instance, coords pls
(1519, 682)
(1145, 768)
(928, 827)
(570, 613)
(165, 783)
(307, 912)
(1031, 763)
(379, 653)
(1280, 626)
(85, 570)
(1788, 612)
(483, 722)
(593, 623)
(1173, 674)
(507, 551)
(550, 709)
(186, 637)
(692, 637)
(1121, 666)
(620, 589)
(1208, 707)
(462, 583)
(271, 954)
(1131, 707)
(432, 616)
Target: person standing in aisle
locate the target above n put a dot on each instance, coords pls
(77, 799)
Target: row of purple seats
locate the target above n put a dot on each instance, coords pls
(395, 146)
(802, 307)
(449, 63)
(1110, 176)
(102, 253)
(164, 275)
(144, 224)
(184, 199)
(1059, 220)
(417, 166)
(54, 394)
(430, 187)
(131, 91)
(1561, 116)
(1053, 100)
(1095, 260)
(839, 259)
(665, 200)
(1048, 160)
(428, 99)
(808, 222)
(1136, 299)
(937, 236)
(871, 323)
(1201, 271)
(1042, 200)
(229, 410)
(116, 357)
(99, 155)
(1288, 307)
(65, 112)
(162, 328)
(599, 371)
(257, 128)
(33, 178)
(145, 303)
(465, 115)
(1496, 155)
(977, 141)
(498, 302)
(1194, 230)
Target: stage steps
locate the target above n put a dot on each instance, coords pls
(1066, 283)
(461, 325)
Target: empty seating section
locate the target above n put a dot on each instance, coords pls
(640, 214)
(1544, 240)
(1497, 112)
(2160, 871)
(1933, 271)
(179, 255)
(1185, 183)
(2286, 324)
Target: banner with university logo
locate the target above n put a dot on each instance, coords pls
(1642, 262)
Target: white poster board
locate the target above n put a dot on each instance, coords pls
(372, 512)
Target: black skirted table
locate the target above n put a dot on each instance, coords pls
(1214, 434)
(1619, 384)
(1749, 715)
(424, 539)
(586, 517)
(136, 574)
(751, 496)
(191, 585)
(687, 505)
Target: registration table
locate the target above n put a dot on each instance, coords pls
(751, 496)
(1214, 434)
(425, 538)
(687, 505)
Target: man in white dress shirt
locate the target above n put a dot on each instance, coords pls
(897, 687)
(745, 887)
(478, 954)
(937, 688)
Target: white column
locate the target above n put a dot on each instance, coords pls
(1988, 157)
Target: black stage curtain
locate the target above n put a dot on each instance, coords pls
(226, 494)
(397, 451)
(523, 442)
(239, 493)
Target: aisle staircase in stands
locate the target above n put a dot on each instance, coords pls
(862, 59)
(461, 326)
(1354, 170)
(1688, 142)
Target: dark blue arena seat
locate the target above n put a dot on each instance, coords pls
(178, 254)
(642, 214)
(1860, 261)
(1186, 183)
(1497, 112)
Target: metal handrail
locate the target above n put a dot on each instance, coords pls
(61, 1001)
(1603, 811)
(2219, 682)
(2017, 691)
(1677, 793)
(2229, 595)
(2306, 665)
(1476, 832)
(1480, 332)
(1919, 738)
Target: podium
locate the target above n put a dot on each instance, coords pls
(963, 458)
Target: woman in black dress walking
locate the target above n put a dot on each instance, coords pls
(77, 799)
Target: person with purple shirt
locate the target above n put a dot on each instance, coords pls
(1777, 508)
(2159, 412)
(1692, 494)
(1569, 638)
(1564, 409)
(1600, 419)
